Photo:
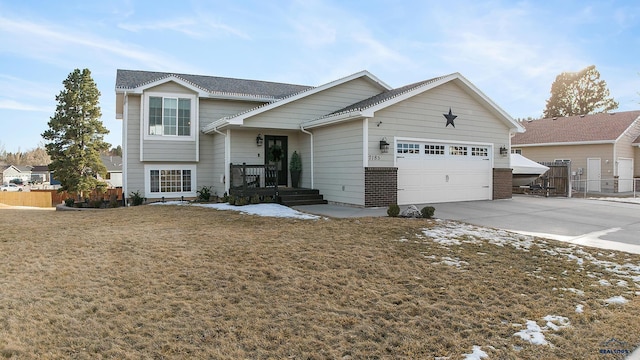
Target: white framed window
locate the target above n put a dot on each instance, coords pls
(170, 181)
(432, 149)
(479, 151)
(408, 148)
(458, 150)
(169, 116)
(516, 151)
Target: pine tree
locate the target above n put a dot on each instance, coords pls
(76, 135)
(579, 93)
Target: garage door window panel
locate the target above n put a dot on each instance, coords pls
(408, 148)
(456, 150)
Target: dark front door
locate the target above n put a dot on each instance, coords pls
(276, 148)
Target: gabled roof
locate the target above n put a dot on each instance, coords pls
(40, 168)
(18, 168)
(112, 163)
(136, 81)
(600, 128)
(368, 107)
(239, 118)
(636, 142)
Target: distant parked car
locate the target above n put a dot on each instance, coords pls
(10, 187)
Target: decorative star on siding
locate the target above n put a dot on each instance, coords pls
(450, 117)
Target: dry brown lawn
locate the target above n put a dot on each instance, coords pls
(173, 282)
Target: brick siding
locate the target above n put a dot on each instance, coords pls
(502, 183)
(380, 186)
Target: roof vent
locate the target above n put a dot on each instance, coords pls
(612, 113)
(582, 115)
(554, 118)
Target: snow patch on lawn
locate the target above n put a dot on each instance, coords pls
(616, 300)
(477, 354)
(271, 210)
(533, 334)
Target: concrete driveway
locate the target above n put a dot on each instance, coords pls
(597, 223)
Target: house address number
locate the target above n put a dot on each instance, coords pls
(375, 157)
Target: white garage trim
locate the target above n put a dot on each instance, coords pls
(431, 171)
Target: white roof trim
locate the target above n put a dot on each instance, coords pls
(628, 129)
(474, 91)
(172, 78)
(595, 142)
(239, 119)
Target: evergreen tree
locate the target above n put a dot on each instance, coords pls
(76, 135)
(579, 93)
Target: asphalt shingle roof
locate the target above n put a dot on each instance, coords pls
(131, 79)
(583, 128)
(383, 96)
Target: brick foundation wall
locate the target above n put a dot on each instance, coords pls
(502, 183)
(380, 186)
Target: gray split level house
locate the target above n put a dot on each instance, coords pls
(361, 142)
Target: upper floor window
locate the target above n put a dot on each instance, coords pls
(170, 116)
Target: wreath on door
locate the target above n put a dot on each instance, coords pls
(275, 153)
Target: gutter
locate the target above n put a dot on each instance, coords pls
(310, 134)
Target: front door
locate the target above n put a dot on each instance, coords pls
(594, 174)
(276, 148)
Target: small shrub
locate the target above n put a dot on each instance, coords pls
(137, 198)
(231, 199)
(225, 197)
(267, 199)
(69, 202)
(96, 204)
(114, 203)
(393, 210)
(255, 199)
(427, 212)
(204, 194)
(241, 201)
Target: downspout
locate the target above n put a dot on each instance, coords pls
(311, 135)
(125, 148)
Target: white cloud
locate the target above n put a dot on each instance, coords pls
(53, 44)
(8, 104)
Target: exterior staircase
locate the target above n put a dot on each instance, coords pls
(294, 197)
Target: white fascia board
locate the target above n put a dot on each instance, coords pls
(210, 128)
(633, 126)
(595, 142)
(513, 124)
(337, 118)
(181, 82)
(237, 120)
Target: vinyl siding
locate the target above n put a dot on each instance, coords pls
(289, 116)
(422, 117)
(339, 171)
(216, 161)
(636, 162)
(624, 149)
(578, 155)
(135, 168)
(171, 87)
(180, 151)
(245, 150)
(215, 109)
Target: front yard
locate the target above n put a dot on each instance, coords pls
(169, 282)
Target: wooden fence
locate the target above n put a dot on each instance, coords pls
(26, 198)
(50, 198)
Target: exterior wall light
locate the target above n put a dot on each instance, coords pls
(504, 151)
(259, 140)
(384, 145)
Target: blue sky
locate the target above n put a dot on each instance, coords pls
(511, 50)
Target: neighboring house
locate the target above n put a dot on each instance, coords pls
(114, 170)
(361, 142)
(11, 172)
(40, 174)
(600, 147)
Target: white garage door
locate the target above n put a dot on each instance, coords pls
(436, 172)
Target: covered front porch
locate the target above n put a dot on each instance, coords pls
(262, 180)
